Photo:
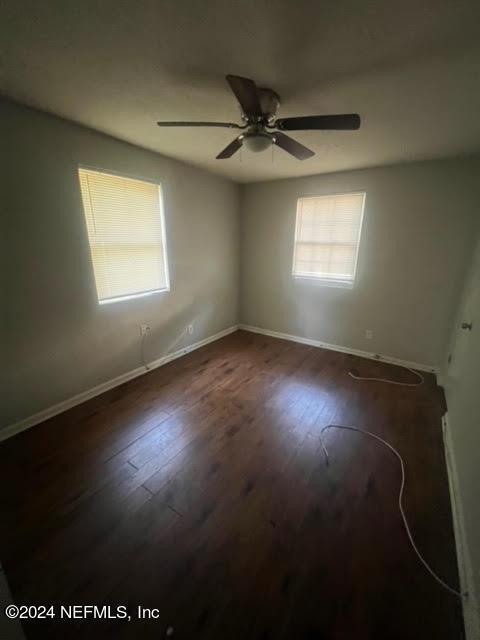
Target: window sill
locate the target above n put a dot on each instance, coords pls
(133, 296)
(326, 282)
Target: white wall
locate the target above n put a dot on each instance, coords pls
(56, 340)
(462, 386)
(416, 241)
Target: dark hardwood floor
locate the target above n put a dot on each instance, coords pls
(200, 489)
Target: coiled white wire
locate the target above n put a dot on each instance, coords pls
(400, 499)
(401, 384)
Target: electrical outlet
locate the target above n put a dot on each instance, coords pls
(369, 334)
(190, 328)
(144, 329)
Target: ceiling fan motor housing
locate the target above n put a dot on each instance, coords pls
(270, 102)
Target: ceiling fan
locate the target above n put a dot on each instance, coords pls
(258, 110)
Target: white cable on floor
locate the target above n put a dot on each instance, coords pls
(400, 500)
(401, 384)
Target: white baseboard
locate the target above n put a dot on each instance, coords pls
(465, 570)
(41, 416)
(336, 347)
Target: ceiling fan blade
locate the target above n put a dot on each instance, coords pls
(292, 146)
(342, 121)
(245, 91)
(231, 148)
(229, 125)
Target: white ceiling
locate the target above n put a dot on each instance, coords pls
(411, 68)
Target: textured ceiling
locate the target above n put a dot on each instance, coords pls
(410, 68)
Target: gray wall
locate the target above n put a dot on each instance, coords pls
(463, 402)
(57, 340)
(416, 241)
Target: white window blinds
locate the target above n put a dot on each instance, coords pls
(126, 234)
(327, 237)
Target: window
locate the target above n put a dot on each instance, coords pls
(126, 232)
(327, 237)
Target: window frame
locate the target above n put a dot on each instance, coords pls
(163, 235)
(325, 280)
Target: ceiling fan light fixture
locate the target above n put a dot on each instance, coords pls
(257, 142)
